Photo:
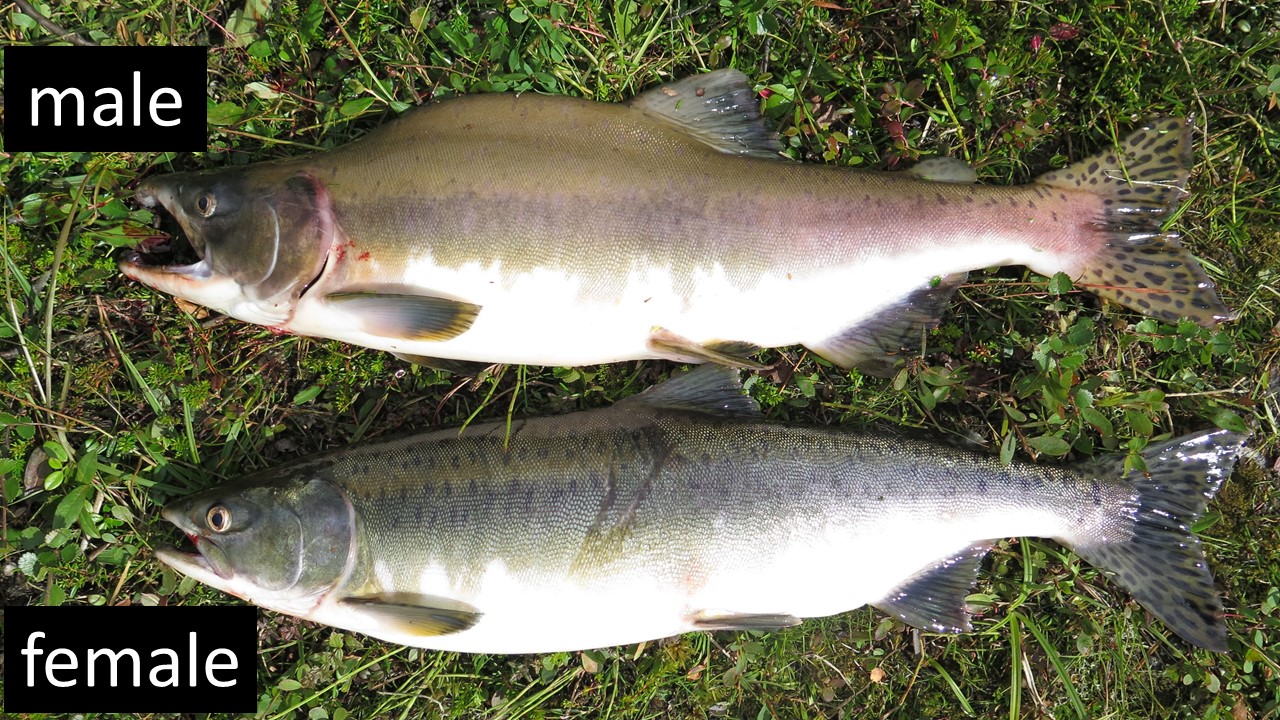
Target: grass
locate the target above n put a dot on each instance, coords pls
(135, 401)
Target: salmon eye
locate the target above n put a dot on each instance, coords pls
(218, 518)
(206, 204)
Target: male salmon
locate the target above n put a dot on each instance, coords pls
(679, 510)
(559, 231)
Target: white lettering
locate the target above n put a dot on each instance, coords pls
(51, 664)
(117, 107)
(115, 658)
(193, 659)
(31, 651)
(171, 667)
(156, 106)
(137, 98)
(166, 672)
(58, 97)
(210, 666)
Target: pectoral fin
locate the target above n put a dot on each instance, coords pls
(713, 620)
(934, 599)
(721, 352)
(416, 615)
(406, 316)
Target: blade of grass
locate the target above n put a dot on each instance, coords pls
(1056, 661)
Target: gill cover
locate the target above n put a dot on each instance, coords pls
(270, 234)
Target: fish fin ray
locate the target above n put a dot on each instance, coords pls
(722, 352)
(458, 367)
(406, 316)
(933, 599)
(944, 169)
(717, 108)
(1155, 275)
(713, 620)
(415, 615)
(1138, 266)
(876, 346)
(714, 389)
(1161, 564)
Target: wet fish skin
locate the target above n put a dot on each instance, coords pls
(557, 231)
(679, 510)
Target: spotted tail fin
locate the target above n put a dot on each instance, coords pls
(1140, 266)
(1149, 549)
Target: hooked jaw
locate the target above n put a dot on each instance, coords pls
(147, 266)
(196, 282)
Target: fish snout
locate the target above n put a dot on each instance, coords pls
(156, 193)
(145, 195)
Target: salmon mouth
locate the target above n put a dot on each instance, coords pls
(167, 249)
(207, 558)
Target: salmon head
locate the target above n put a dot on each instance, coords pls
(261, 236)
(282, 543)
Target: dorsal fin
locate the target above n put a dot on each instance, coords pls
(717, 108)
(712, 389)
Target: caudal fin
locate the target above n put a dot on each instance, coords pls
(1154, 556)
(1139, 266)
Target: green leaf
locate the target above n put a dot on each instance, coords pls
(1228, 420)
(1007, 447)
(518, 15)
(1014, 414)
(70, 506)
(288, 685)
(224, 113)
(1098, 421)
(260, 49)
(23, 21)
(1139, 422)
(1050, 445)
(307, 395)
(86, 467)
(351, 108)
(419, 18)
(55, 451)
(12, 488)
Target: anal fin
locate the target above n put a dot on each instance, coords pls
(710, 620)
(415, 615)
(722, 352)
(934, 598)
(877, 345)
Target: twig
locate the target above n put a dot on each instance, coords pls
(51, 26)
